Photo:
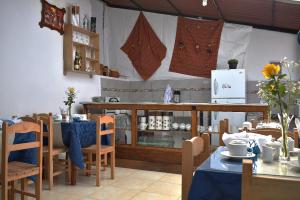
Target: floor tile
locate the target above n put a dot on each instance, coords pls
(113, 193)
(164, 188)
(153, 196)
(171, 178)
(133, 183)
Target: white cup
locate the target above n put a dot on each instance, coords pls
(143, 119)
(175, 126)
(143, 126)
(188, 127)
(291, 144)
(276, 145)
(182, 126)
(237, 148)
(268, 154)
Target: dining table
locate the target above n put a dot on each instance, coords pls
(220, 177)
(77, 135)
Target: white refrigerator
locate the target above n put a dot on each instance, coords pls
(227, 86)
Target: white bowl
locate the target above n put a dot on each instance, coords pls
(237, 148)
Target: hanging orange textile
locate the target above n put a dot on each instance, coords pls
(144, 48)
(196, 47)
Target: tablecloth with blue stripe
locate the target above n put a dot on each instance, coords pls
(217, 179)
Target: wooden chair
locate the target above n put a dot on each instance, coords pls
(102, 150)
(50, 152)
(276, 133)
(194, 152)
(13, 171)
(267, 187)
(224, 128)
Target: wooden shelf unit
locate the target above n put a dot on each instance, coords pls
(89, 52)
(163, 158)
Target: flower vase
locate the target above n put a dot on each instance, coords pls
(284, 120)
(70, 113)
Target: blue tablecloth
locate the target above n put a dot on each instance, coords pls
(217, 178)
(77, 135)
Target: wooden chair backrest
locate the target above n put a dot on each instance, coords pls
(21, 128)
(276, 133)
(267, 187)
(47, 121)
(109, 121)
(195, 147)
(28, 118)
(224, 128)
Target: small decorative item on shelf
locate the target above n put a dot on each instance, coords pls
(280, 91)
(168, 95)
(167, 120)
(176, 96)
(232, 63)
(71, 95)
(75, 15)
(105, 71)
(52, 17)
(93, 24)
(143, 125)
(77, 61)
(151, 120)
(114, 73)
(85, 23)
(158, 121)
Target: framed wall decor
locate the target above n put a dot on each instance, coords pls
(52, 17)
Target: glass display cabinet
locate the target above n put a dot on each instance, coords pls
(152, 133)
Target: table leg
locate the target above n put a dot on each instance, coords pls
(73, 174)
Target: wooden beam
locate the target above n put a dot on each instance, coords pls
(137, 5)
(216, 4)
(173, 6)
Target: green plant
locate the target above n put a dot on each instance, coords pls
(233, 62)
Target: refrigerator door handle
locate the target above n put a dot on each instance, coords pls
(216, 86)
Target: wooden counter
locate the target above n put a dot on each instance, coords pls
(156, 158)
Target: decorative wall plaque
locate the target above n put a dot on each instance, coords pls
(52, 17)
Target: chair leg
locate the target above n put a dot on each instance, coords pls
(50, 172)
(105, 161)
(112, 165)
(12, 191)
(68, 169)
(98, 169)
(24, 188)
(4, 190)
(38, 186)
(89, 164)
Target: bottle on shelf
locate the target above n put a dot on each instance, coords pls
(77, 61)
(85, 23)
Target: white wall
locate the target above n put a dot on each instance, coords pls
(266, 46)
(263, 47)
(31, 67)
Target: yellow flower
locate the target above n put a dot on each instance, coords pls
(71, 90)
(269, 70)
(272, 88)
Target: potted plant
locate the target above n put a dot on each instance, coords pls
(232, 63)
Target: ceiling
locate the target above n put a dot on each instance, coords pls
(279, 15)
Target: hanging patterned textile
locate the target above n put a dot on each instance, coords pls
(144, 48)
(196, 47)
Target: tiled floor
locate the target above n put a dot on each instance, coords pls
(129, 184)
